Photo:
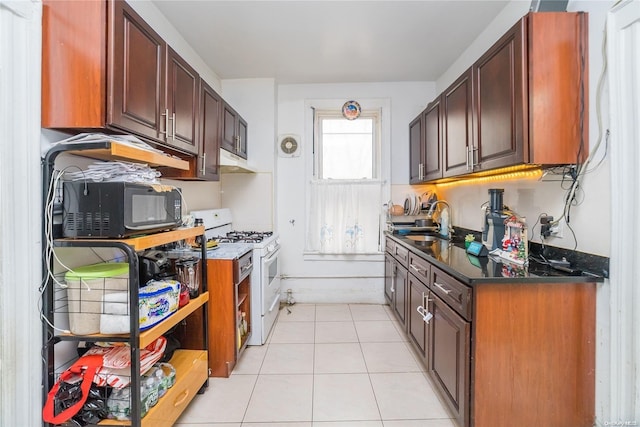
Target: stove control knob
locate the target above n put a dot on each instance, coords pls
(271, 247)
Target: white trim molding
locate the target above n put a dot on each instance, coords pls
(624, 85)
(20, 213)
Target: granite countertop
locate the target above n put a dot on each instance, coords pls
(452, 258)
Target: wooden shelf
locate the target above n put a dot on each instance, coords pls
(141, 243)
(125, 152)
(191, 373)
(150, 335)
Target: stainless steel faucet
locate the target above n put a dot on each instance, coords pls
(447, 206)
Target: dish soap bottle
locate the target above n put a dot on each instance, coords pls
(444, 223)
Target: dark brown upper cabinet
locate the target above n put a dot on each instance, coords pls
(105, 69)
(416, 150)
(531, 93)
(211, 132)
(234, 133)
(425, 145)
(524, 101)
(183, 89)
(433, 141)
(457, 126)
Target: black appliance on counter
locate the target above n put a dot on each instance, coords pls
(154, 265)
(494, 216)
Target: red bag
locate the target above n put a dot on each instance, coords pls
(85, 367)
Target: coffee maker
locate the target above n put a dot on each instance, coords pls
(494, 216)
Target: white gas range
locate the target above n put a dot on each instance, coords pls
(265, 276)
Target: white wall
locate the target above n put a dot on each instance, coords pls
(251, 196)
(341, 280)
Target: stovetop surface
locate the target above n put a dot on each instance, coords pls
(243, 236)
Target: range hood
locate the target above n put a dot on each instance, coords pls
(230, 163)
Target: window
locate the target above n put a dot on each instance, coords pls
(345, 192)
(347, 148)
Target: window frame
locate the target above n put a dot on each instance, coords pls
(376, 144)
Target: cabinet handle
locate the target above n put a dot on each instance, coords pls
(474, 151)
(181, 400)
(442, 288)
(246, 267)
(203, 169)
(166, 122)
(468, 152)
(393, 279)
(173, 126)
(416, 268)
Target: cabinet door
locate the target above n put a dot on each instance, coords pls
(242, 138)
(449, 358)
(389, 275)
(210, 133)
(183, 86)
(136, 81)
(418, 326)
(499, 101)
(229, 141)
(416, 146)
(400, 294)
(433, 140)
(457, 127)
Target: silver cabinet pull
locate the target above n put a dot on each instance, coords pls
(393, 279)
(468, 153)
(474, 151)
(166, 122)
(442, 288)
(203, 169)
(173, 126)
(416, 268)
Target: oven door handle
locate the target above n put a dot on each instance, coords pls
(276, 300)
(272, 255)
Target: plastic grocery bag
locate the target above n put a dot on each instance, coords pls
(116, 367)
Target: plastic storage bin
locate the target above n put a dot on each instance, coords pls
(86, 287)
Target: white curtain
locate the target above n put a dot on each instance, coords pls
(344, 217)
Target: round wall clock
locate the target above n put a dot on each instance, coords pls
(351, 110)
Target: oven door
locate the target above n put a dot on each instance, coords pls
(271, 291)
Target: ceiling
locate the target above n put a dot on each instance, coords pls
(330, 41)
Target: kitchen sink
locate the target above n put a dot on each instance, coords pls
(423, 237)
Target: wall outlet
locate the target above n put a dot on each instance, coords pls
(545, 226)
(557, 230)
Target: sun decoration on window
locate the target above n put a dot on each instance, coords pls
(351, 110)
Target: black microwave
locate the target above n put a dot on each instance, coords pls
(118, 209)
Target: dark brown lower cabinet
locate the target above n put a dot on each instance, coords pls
(400, 284)
(449, 358)
(388, 278)
(418, 327)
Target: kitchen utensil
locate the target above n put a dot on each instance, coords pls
(426, 222)
(188, 272)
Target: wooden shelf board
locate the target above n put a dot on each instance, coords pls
(147, 241)
(120, 151)
(149, 336)
(182, 361)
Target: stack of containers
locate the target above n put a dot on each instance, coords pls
(86, 288)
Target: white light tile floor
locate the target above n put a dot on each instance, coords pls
(324, 365)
